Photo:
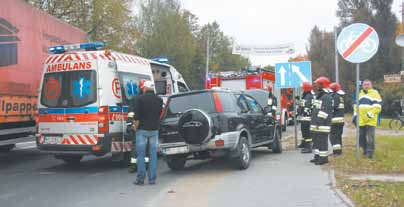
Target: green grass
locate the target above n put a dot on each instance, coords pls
(373, 194)
(388, 159)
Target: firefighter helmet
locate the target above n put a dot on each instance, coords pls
(307, 86)
(322, 82)
(335, 86)
(269, 88)
(141, 83)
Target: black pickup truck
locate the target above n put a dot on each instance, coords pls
(212, 123)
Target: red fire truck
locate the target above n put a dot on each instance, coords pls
(257, 80)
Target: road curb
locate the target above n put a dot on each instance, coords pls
(338, 192)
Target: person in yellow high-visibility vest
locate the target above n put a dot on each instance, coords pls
(370, 105)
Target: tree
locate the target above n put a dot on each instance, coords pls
(321, 53)
(109, 21)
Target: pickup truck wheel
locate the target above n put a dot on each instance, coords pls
(242, 161)
(70, 159)
(7, 148)
(276, 145)
(176, 162)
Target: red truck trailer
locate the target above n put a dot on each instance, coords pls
(257, 80)
(25, 35)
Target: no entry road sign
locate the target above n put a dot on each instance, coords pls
(358, 42)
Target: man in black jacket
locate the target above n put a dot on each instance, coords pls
(337, 122)
(320, 124)
(147, 122)
(304, 116)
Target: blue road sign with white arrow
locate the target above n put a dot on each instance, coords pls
(293, 74)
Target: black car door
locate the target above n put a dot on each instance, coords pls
(250, 118)
(256, 115)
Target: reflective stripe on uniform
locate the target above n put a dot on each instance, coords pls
(337, 120)
(308, 140)
(270, 101)
(316, 151)
(341, 106)
(134, 160)
(323, 153)
(305, 118)
(315, 128)
(273, 107)
(322, 114)
(337, 147)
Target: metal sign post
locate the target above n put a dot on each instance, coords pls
(357, 110)
(294, 114)
(357, 43)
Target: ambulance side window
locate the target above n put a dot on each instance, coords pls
(130, 85)
(182, 87)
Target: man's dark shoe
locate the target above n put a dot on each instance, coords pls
(322, 161)
(314, 160)
(152, 182)
(337, 152)
(306, 150)
(302, 144)
(138, 182)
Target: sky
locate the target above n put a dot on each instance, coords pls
(269, 22)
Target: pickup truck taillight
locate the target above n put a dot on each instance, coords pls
(218, 103)
(103, 119)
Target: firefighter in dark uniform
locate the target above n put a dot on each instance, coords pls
(304, 116)
(321, 117)
(272, 101)
(337, 122)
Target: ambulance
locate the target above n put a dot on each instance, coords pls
(84, 96)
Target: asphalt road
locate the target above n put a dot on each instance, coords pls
(28, 178)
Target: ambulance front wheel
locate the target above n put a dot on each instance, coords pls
(70, 159)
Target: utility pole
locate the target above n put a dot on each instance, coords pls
(336, 55)
(207, 57)
(402, 59)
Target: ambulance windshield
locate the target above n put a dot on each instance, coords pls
(69, 89)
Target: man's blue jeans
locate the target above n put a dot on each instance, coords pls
(142, 136)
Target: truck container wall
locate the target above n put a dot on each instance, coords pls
(25, 35)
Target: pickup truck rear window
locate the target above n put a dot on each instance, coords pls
(69, 89)
(180, 104)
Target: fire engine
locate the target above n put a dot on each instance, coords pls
(258, 79)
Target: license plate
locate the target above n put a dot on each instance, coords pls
(176, 150)
(53, 139)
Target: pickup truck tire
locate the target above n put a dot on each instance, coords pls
(242, 161)
(194, 127)
(7, 148)
(70, 159)
(276, 145)
(176, 162)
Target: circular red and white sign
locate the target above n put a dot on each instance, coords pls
(52, 89)
(116, 88)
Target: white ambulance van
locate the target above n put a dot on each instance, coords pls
(84, 97)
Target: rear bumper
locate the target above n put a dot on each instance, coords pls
(224, 141)
(102, 147)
